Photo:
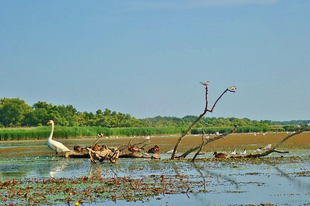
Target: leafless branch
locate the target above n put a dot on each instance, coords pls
(230, 89)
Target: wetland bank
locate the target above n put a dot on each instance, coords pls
(30, 174)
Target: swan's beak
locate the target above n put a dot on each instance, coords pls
(48, 122)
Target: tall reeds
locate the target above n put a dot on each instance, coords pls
(78, 132)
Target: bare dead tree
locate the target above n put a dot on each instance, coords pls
(230, 89)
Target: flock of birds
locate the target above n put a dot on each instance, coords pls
(243, 153)
(59, 147)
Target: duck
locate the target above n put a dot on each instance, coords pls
(78, 148)
(134, 149)
(154, 150)
(55, 145)
(219, 155)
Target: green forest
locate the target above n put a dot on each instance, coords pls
(19, 120)
(14, 112)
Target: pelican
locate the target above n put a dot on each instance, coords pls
(205, 83)
(244, 152)
(267, 147)
(54, 145)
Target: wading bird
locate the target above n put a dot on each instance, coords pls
(54, 145)
(307, 124)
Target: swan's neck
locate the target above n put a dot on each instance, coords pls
(51, 135)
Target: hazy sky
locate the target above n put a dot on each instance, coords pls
(146, 58)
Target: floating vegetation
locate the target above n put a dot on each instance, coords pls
(38, 191)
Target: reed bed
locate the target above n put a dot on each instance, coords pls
(37, 133)
(42, 132)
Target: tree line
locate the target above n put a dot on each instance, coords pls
(15, 112)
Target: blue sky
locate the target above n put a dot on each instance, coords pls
(146, 58)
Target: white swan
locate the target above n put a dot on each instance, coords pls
(54, 145)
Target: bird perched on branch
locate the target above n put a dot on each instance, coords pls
(307, 124)
(134, 149)
(154, 150)
(206, 137)
(205, 83)
(267, 147)
(232, 89)
(298, 127)
(243, 153)
(258, 150)
(234, 152)
(219, 155)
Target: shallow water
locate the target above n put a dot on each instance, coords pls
(281, 181)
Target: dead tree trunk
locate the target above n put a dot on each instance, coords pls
(274, 149)
(231, 89)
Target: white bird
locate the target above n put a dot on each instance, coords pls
(298, 126)
(254, 133)
(232, 88)
(258, 150)
(244, 152)
(170, 151)
(234, 152)
(264, 133)
(267, 147)
(148, 137)
(54, 145)
(217, 133)
(307, 124)
(205, 83)
(206, 137)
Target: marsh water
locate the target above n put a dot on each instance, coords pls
(281, 179)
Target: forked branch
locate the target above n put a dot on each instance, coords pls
(230, 89)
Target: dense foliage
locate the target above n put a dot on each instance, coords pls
(14, 112)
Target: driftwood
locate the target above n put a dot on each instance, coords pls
(274, 149)
(104, 153)
(230, 89)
